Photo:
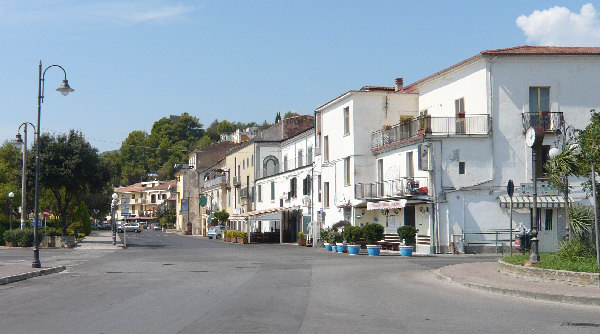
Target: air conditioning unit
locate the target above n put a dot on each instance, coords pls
(306, 201)
(237, 211)
(317, 151)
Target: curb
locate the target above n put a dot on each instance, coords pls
(524, 294)
(22, 277)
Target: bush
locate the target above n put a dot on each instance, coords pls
(352, 233)
(301, 235)
(408, 234)
(2, 229)
(373, 233)
(340, 225)
(572, 249)
(21, 238)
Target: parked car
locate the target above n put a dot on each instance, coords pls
(156, 227)
(130, 227)
(216, 231)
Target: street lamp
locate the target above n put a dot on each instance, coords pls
(64, 89)
(113, 207)
(22, 142)
(11, 195)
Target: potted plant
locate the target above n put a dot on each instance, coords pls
(325, 237)
(301, 239)
(352, 234)
(373, 233)
(408, 235)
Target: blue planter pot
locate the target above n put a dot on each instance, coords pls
(353, 249)
(373, 251)
(328, 247)
(334, 248)
(342, 248)
(406, 250)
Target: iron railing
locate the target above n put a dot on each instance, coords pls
(390, 188)
(548, 121)
(434, 126)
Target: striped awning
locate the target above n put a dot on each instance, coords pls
(527, 201)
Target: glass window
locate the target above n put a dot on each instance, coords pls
(548, 220)
(347, 171)
(346, 121)
(326, 148)
(309, 156)
(539, 99)
(461, 167)
(285, 163)
(326, 194)
(299, 161)
(272, 190)
(260, 192)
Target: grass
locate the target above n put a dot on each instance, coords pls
(557, 262)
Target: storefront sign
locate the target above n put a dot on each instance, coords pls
(543, 188)
(398, 204)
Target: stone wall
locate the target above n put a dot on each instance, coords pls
(549, 275)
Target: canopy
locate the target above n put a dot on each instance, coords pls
(527, 201)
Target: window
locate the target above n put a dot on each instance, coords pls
(299, 161)
(270, 166)
(326, 148)
(459, 108)
(326, 194)
(260, 192)
(346, 121)
(248, 162)
(347, 171)
(410, 169)
(309, 156)
(306, 182)
(539, 99)
(252, 160)
(380, 170)
(319, 188)
(132, 196)
(272, 191)
(461, 167)
(293, 187)
(285, 163)
(548, 220)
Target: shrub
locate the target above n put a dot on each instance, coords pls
(21, 238)
(340, 225)
(573, 249)
(408, 234)
(301, 235)
(352, 233)
(2, 229)
(373, 233)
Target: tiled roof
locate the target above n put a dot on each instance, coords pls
(132, 188)
(523, 50)
(165, 185)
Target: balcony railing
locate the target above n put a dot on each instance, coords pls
(392, 188)
(216, 181)
(245, 192)
(548, 121)
(434, 126)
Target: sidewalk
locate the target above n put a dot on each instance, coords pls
(18, 271)
(485, 276)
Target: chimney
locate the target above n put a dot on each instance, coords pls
(399, 84)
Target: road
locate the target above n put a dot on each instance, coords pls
(166, 283)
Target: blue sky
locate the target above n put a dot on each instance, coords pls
(132, 62)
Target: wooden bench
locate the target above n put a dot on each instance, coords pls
(390, 242)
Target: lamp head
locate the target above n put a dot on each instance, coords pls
(11, 194)
(18, 142)
(65, 89)
(115, 196)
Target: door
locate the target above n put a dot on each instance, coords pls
(547, 233)
(409, 215)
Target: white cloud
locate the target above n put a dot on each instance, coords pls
(558, 26)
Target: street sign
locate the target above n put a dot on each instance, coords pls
(202, 201)
(184, 204)
(125, 214)
(510, 188)
(46, 213)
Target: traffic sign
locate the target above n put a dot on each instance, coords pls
(46, 213)
(202, 201)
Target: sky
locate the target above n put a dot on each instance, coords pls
(132, 62)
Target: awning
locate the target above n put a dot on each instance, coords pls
(527, 201)
(397, 204)
(259, 213)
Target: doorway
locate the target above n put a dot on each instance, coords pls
(409, 215)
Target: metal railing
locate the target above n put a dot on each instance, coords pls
(548, 121)
(216, 181)
(391, 188)
(435, 126)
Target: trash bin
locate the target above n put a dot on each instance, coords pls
(523, 241)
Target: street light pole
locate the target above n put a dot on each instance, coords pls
(22, 142)
(64, 89)
(11, 195)
(113, 207)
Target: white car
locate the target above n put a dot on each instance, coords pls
(130, 227)
(216, 231)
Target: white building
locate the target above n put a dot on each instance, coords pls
(447, 170)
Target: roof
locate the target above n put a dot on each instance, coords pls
(523, 50)
(165, 185)
(132, 188)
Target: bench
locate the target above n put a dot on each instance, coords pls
(390, 242)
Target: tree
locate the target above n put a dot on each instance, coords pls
(82, 215)
(10, 179)
(278, 118)
(221, 216)
(290, 114)
(69, 168)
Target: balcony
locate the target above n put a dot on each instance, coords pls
(431, 126)
(219, 180)
(237, 182)
(245, 192)
(548, 121)
(392, 188)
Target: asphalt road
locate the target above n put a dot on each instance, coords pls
(165, 283)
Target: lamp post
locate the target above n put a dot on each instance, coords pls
(533, 139)
(64, 89)
(22, 142)
(11, 195)
(113, 223)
